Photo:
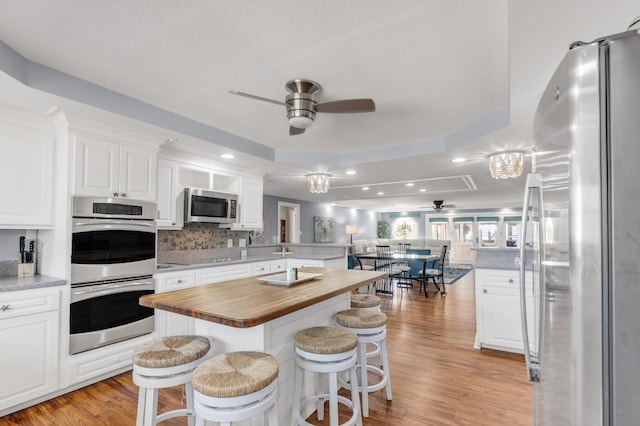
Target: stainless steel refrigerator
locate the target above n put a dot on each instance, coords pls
(581, 217)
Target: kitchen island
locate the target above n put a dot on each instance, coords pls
(250, 314)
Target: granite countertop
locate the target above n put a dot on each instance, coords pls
(249, 259)
(28, 283)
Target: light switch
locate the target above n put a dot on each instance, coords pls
(229, 243)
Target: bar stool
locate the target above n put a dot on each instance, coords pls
(365, 301)
(370, 327)
(325, 350)
(236, 386)
(162, 363)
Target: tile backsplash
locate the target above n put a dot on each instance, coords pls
(198, 236)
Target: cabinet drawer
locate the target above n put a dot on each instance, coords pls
(96, 366)
(260, 268)
(278, 265)
(26, 302)
(499, 278)
(176, 281)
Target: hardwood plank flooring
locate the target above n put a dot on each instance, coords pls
(437, 376)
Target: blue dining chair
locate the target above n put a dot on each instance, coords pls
(417, 265)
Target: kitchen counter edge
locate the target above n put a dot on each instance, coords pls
(249, 259)
(27, 283)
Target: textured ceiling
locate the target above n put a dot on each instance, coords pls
(448, 77)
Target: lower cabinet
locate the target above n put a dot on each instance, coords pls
(29, 335)
(168, 323)
(498, 313)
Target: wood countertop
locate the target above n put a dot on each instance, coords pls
(249, 302)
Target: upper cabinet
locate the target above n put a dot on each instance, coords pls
(174, 176)
(26, 170)
(108, 169)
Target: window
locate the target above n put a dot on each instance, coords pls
(439, 228)
(512, 231)
(488, 231)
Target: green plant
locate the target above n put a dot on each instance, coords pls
(404, 230)
(383, 229)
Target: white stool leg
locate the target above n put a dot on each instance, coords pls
(385, 365)
(272, 414)
(142, 394)
(151, 408)
(355, 397)
(320, 390)
(333, 398)
(199, 421)
(364, 380)
(188, 390)
(297, 395)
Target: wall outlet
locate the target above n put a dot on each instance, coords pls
(230, 243)
(242, 242)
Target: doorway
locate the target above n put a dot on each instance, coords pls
(288, 222)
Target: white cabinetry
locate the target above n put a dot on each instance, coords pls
(26, 170)
(218, 274)
(249, 205)
(168, 323)
(498, 309)
(170, 201)
(29, 333)
(108, 169)
(301, 263)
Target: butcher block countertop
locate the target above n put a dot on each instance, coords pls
(249, 302)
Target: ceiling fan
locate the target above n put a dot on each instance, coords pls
(302, 104)
(438, 205)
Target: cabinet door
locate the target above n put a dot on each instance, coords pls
(501, 321)
(170, 208)
(95, 167)
(138, 173)
(26, 173)
(251, 193)
(29, 354)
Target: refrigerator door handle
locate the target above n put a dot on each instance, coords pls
(533, 367)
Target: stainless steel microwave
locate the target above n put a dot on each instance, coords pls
(208, 206)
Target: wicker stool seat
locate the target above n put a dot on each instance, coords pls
(371, 328)
(236, 386)
(325, 350)
(365, 301)
(162, 363)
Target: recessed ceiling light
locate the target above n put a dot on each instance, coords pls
(351, 172)
(410, 184)
(380, 193)
(365, 188)
(423, 190)
(228, 156)
(459, 160)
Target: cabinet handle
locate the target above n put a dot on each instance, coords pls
(510, 280)
(179, 281)
(115, 194)
(484, 290)
(5, 308)
(123, 194)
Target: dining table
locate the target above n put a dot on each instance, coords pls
(385, 286)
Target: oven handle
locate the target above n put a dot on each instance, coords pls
(111, 287)
(113, 222)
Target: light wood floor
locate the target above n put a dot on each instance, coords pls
(437, 376)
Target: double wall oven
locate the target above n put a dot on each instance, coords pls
(113, 259)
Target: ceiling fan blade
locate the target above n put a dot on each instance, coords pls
(295, 131)
(347, 106)
(258, 98)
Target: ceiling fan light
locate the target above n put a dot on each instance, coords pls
(300, 122)
(505, 165)
(318, 183)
